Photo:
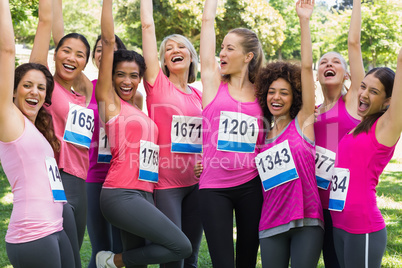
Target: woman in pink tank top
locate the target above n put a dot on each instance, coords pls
(232, 134)
(291, 225)
(35, 235)
(336, 116)
(360, 234)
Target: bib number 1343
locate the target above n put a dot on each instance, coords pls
(339, 189)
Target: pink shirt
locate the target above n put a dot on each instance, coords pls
(97, 171)
(224, 169)
(72, 159)
(365, 158)
(34, 214)
(329, 129)
(163, 101)
(125, 131)
(297, 199)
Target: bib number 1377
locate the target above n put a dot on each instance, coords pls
(339, 189)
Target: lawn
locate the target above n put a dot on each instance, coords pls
(389, 200)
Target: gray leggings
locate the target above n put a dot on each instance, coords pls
(301, 245)
(180, 205)
(148, 236)
(360, 250)
(52, 251)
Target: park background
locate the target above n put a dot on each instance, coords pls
(277, 25)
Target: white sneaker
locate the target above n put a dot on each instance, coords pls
(103, 259)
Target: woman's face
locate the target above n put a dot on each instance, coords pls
(177, 57)
(70, 59)
(31, 93)
(372, 96)
(331, 70)
(126, 79)
(98, 52)
(280, 98)
(232, 57)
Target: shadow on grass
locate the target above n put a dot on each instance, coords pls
(391, 185)
(5, 213)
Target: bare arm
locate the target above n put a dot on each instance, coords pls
(105, 95)
(306, 114)
(58, 22)
(355, 58)
(10, 119)
(149, 47)
(210, 76)
(389, 125)
(40, 48)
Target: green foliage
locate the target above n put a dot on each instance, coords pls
(25, 16)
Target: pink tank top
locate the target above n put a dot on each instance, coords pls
(297, 199)
(72, 159)
(125, 131)
(164, 101)
(97, 171)
(224, 169)
(35, 214)
(365, 158)
(329, 129)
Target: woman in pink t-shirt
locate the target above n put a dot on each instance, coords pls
(35, 235)
(176, 108)
(360, 234)
(336, 116)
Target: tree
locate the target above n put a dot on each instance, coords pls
(25, 15)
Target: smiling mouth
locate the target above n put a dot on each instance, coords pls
(126, 90)
(69, 67)
(329, 73)
(177, 59)
(32, 102)
(363, 106)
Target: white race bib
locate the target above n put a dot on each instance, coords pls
(186, 135)
(79, 126)
(276, 166)
(339, 189)
(104, 154)
(55, 180)
(324, 166)
(149, 161)
(238, 132)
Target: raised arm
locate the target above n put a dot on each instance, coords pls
(104, 92)
(58, 22)
(210, 76)
(149, 47)
(9, 124)
(304, 9)
(389, 125)
(43, 32)
(355, 58)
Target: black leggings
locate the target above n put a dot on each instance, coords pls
(102, 234)
(180, 205)
(148, 236)
(328, 248)
(216, 207)
(301, 245)
(52, 251)
(360, 250)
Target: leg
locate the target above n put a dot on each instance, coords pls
(45, 252)
(328, 249)
(133, 211)
(248, 211)
(71, 232)
(275, 251)
(98, 227)
(76, 194)
(216, 210)
(306, 245)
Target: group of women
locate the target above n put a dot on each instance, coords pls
(299, 179)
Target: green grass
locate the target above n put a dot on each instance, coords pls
(389, 193)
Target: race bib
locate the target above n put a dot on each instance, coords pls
(56, 184)
(149, 161)
(339, 189)
(79, 126)
(276, 166)
(186, 134)
(237, 132)
(104, 154)
(324, 166)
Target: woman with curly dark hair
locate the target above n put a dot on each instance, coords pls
(291, 224)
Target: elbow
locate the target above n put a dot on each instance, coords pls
(108, 41)
(8, 49)
(353, 42)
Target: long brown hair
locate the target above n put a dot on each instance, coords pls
(43, 120)
(386, 77)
